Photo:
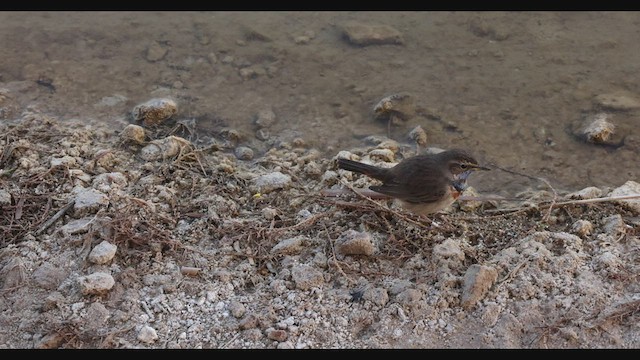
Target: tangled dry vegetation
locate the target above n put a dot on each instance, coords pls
(203, 198)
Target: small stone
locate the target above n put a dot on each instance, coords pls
(244, 153)
(255, 34)
(133, 133)
(400, 106)
(108, 181)
(165, 148)
(582, 227)
(418, 135)
(96, 283)
(109, 101)
(306, 277)
(147, 334)
(77, 226)
(591, 192)
(363, 34)
(154, 111)
(252, 72)
(355, 243)
(237, 309)
(88, 201)
(49, 276)
(597, 129)
(288, 246)
(269, 213)
(248, 322)
(53, 300)
(487, 29)
(5, 197)
(477, 281)
(102, 253)
(272, 181)
(621, 101)
(285, 345)
(470, 205)
(263, 134)
(382, 154)
(628, 188)
(614, 225)
(278, 335)
(67, 161)
(50, 341)
(156, 52)
(376, 295)
(410, 297)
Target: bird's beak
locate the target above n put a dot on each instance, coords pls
(478, 167)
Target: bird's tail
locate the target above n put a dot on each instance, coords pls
(366, 169)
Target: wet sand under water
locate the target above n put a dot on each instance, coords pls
(510, 87)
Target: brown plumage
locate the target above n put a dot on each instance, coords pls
(423, 184)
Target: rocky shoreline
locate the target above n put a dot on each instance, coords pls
(200, 248)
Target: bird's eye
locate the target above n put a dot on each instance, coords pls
(464, 166)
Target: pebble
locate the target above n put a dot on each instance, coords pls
(88, 201)
(614, 225)
(306, 277)
(156, 52)
(363, 34)
(102, 253)
(582, 227)
(278, 335)
(288, 246)
(5, 197)
(106, 182)
(133, 133)
(591, 192)
(265, 118)
(487, 29)
(114, 100)
(597, 129)
(49, 276)
(269, 213)
(262, 134)
(67, 161)
(164, 148)
(629, 188)
(237, 309)
(154, 111)
(353, 242)
(147, 334)
(621, 101)
(244, 153)
(382, 154)
(376, 295)
(252, 72)
(418, 135)
(400, 106)
(477, 281)
(272, 181)
(470, 205)
(96, 283)
(77, 226)
(248, 322)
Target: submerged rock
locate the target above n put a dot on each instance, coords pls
(364, 34)
(154, 111)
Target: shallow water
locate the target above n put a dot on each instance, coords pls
(509, 86)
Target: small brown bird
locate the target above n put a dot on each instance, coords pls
(423, 184)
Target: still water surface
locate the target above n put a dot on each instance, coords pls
(509, 86)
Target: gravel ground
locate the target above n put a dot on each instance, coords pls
(112, 242)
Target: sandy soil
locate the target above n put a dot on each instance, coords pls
(208, 229)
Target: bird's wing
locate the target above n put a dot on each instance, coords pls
(415, 187)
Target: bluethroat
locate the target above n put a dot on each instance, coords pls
(423, 184)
